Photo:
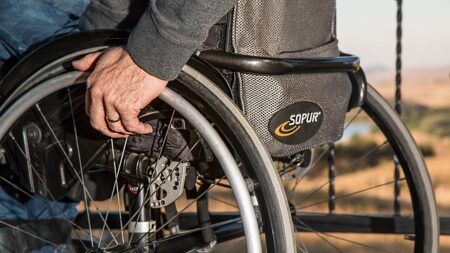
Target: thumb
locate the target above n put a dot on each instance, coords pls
(87, 62)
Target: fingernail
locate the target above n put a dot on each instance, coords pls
(149, 128)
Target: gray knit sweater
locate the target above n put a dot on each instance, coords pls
(167, 31)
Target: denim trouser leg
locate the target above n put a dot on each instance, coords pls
(112, 14)
(26, 23)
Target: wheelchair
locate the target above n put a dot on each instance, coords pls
(203, 182)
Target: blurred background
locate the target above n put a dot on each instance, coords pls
(367, 28)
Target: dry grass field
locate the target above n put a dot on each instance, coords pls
(430, 88)
(424, 86)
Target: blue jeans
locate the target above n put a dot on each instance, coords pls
(26, 24)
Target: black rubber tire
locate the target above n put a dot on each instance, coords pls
(426, 219)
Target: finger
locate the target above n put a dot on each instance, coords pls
(87, 62)
(97, 116)
(132, 124)
(112, 114)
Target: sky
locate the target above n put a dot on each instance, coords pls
(367, 28)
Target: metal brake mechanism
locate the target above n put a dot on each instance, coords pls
(168, 178)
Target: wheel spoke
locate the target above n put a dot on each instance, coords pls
(166, 134)
(299, 180)
(188, 205)
(349, 194)
(322, 235)
(147, 198)
(117, 186)
(353, 119)
(303, 249)
(353, 165)
(227, 186)
(28, 233)
(223, 201)
(319, 234)
(291, 192)
(139, 213)
(115, 189)
(27, 158)
(159, 174)
(52, 208)
(161, 150)
(42, 183)
(132, 217)
(80, 164)
(80, 178)
(187, 233)
(183, 210)
(95, 155)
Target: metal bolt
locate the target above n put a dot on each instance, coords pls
(410, 237)
(33, 133)
(250, 184)
(2, 156)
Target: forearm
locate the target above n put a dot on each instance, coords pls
(170, 31)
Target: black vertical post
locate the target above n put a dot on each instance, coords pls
(331, 178)
(398, 100)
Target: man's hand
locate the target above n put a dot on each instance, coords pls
(117, 90)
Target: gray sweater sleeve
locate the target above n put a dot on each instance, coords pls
(169, 32)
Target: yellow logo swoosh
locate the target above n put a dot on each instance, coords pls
(281, 130)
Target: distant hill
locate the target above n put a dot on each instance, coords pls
(376, 70)
(423, 86)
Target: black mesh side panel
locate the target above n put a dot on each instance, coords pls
(289, 29)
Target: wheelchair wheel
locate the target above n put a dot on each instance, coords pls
(347, 197)
(202, 179)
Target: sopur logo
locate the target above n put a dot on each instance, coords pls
(296, 123)
(282, 130)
